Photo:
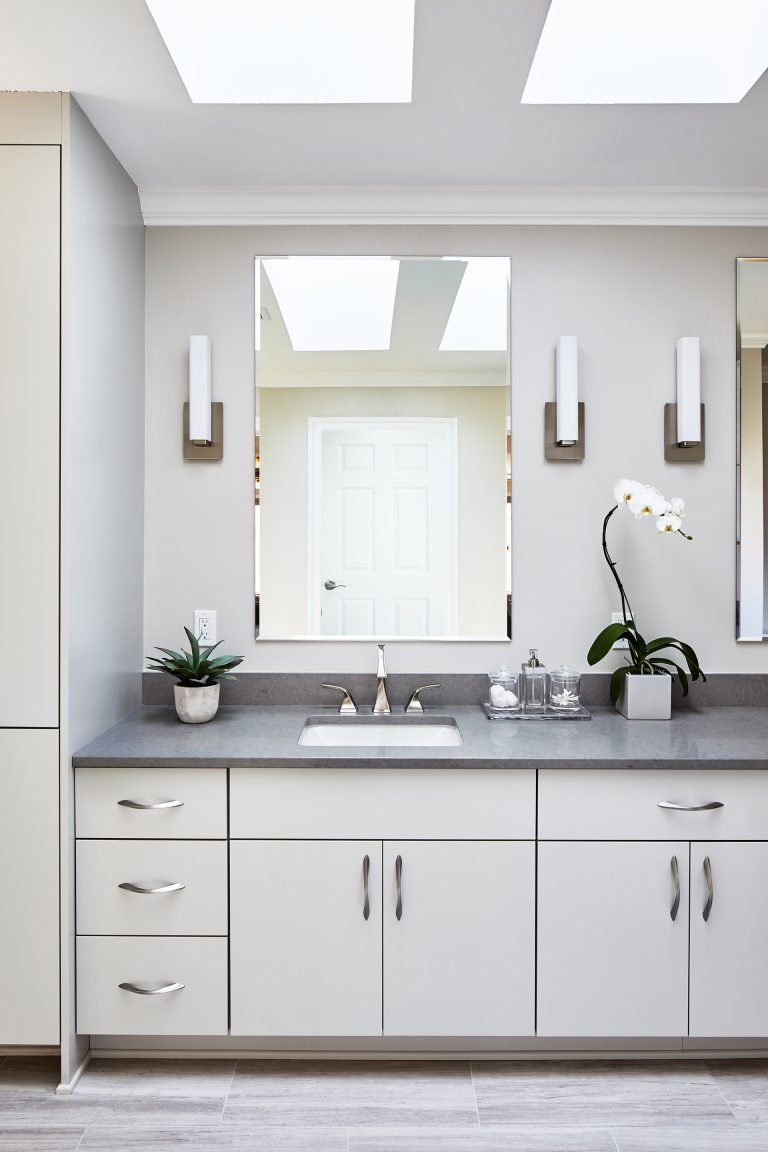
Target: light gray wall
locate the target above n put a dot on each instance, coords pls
(104, 448)
(628, 293)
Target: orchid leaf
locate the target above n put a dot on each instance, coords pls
(605, 640)
(617, 679)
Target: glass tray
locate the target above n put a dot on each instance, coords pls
(579, 713)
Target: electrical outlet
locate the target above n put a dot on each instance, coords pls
(618, 618)
(205, 625)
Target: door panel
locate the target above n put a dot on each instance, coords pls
(460, 960)
(304, 960)
(611, 961)
(729, 990)
(29, 431)
(29, 887)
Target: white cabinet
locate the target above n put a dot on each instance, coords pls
(729, 990)
(29, 431)
(459, 960)
(611, 959)
(305, 957)
(29, 887)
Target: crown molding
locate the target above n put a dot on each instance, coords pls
(181, 206)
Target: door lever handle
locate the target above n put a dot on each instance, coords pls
(331, 585)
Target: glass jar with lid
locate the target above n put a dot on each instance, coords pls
(503, 693)
(564, 689)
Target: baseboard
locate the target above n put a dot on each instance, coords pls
(66, 1089)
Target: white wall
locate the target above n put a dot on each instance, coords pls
(104, 297)
(628, 293)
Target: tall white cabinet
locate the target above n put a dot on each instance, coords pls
(30, 232)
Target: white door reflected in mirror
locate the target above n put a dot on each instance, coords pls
(383, 500)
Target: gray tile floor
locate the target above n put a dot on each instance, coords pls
(386, 1106)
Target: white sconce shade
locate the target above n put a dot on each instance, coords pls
(200, 390)
(688, 391)
(567, 390)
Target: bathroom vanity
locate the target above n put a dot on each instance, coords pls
(600, 880)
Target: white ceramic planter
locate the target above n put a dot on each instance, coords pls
(646, 698)
(196, 705)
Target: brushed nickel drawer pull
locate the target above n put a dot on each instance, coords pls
(142, 990)
(710, 888)
(399, 881)
(366, 869)
(676, 878)
(162, 888)
(151, 807)
(709, 807)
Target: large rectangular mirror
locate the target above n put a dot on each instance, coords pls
(752, 448)
(382, 448)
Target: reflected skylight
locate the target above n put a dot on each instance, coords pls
(649, 52)
(290, 51)
(478, 319)
(335, 304)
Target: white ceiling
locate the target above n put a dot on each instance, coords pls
(465, 127)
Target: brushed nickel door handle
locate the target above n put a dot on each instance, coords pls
(708, 807)
(140, 891)
(710, 888)
(151, 807)
(146, 990)
(399, 882)
(366, 903)
(676, 879)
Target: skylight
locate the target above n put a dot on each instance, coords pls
(335, 305)
(290, 51)
(649, 52)
(478, 319)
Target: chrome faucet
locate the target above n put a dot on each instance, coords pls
(381, 707)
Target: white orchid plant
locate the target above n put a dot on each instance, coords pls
(644, 659)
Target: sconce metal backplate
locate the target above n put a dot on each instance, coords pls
(672, 451)
(554, 451)
(213, 451)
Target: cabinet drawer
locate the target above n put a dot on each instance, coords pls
(197, 1009)
(382, 804)
(624, 805)
(199, 908)
(164, 803)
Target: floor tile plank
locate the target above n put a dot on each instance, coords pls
(24, 1139)
(598, 1093)
(352, 1093)
(504, 1139)
(691, 1139)
(234, 1138)
(744, 1084)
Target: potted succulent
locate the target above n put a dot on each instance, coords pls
(198, 674)
(641, 688)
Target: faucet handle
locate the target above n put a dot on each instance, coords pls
(348, 706)
(414, 704)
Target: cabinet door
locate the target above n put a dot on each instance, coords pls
(729, 991)
(611, 960)
(460, 959)
(29, 431)
(29, 887)
(305, 960)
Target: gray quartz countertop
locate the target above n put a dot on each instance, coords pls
(252, 737)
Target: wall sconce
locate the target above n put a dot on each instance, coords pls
(684, 421)
(203, 425)
(564, 419)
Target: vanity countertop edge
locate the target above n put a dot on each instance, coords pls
(245, 736)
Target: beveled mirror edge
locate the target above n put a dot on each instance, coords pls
(740, 638)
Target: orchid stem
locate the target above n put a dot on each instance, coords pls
(626, 610)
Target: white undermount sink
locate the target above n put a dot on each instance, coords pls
(381, 732)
